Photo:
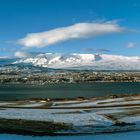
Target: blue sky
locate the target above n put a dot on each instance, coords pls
(22, 17)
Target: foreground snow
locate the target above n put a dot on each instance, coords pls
(91, 115)
(92, 111)
(71, 116)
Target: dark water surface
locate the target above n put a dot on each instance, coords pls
(12, 92)
(116, 136)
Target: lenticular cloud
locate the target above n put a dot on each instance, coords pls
(76, 31)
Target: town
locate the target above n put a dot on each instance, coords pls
(65, 76)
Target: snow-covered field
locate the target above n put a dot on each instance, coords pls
(80, 113)
(76, 112)
(72, 116)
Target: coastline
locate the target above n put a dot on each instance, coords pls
(80, 116)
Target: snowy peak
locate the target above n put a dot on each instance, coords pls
(83, 61)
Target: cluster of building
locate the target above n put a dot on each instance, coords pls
(42, 78)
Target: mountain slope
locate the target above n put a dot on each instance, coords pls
(83, 61)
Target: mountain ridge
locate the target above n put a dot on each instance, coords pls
(82, 61)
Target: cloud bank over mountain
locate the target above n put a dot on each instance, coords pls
(76, 31)
(20, 54)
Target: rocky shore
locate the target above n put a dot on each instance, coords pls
(31, 127)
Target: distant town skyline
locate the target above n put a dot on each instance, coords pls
(69, 26)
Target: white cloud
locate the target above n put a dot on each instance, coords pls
(4, 57)
(76, 31)
(21, 54)
(131, 45)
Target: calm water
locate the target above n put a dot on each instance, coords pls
(10, 92)
(117, 136)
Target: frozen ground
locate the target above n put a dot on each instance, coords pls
(85, 115)
(76, 117)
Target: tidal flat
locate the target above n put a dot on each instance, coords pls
(77, 116)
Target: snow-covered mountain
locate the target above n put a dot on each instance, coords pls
(83, 61)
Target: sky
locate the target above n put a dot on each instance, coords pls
(69, 26)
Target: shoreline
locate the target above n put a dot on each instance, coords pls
(80, 116)
(19, 127)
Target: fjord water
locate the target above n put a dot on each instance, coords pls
(12, 91)
(116, 136)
